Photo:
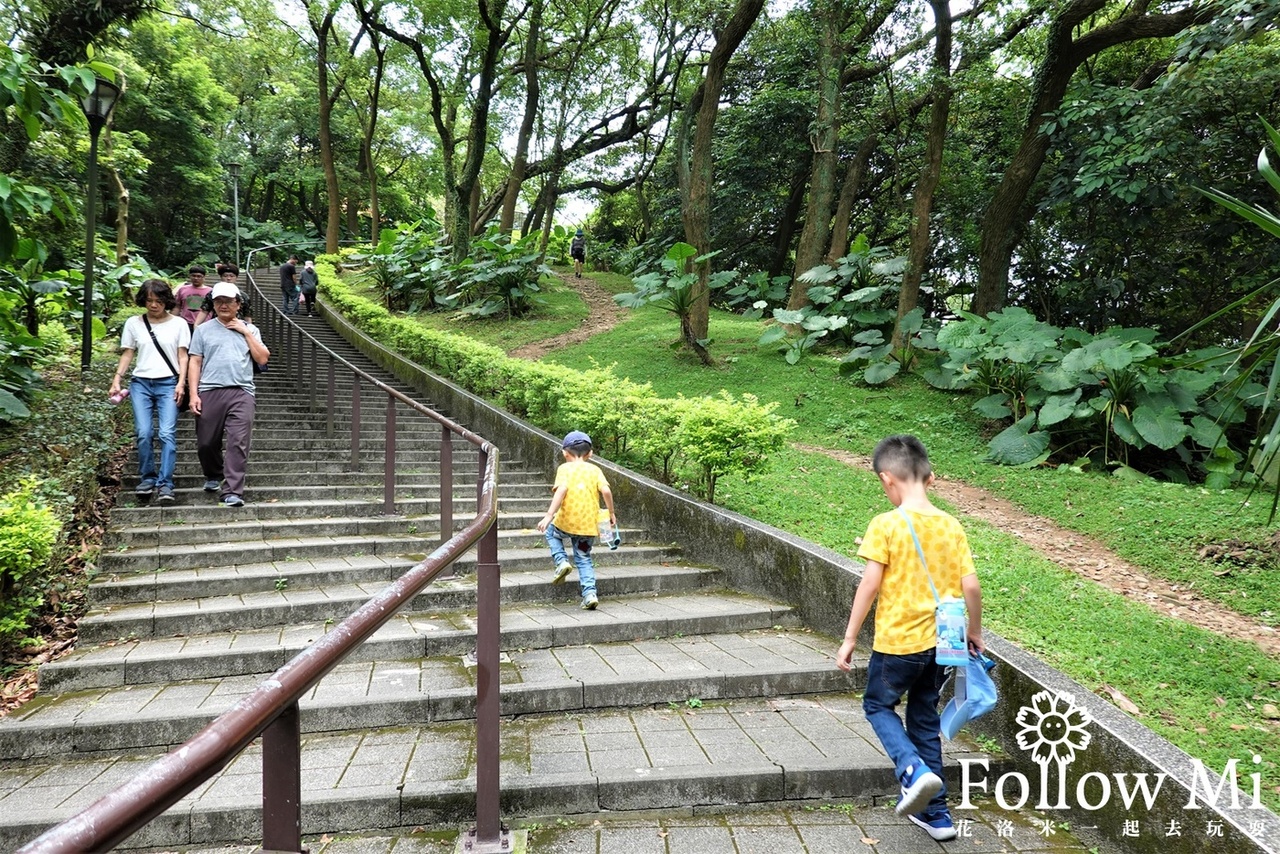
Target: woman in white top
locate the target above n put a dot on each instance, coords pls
(159, 381)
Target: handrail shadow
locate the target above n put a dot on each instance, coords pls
(271, 710)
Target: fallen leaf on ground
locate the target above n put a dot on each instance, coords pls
(1122, 701)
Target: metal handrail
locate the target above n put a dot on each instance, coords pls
(271, 710)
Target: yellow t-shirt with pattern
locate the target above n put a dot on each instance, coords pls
(580, 512)
(905, 608)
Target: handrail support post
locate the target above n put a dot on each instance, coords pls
(282, 782)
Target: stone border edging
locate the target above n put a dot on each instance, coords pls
(767, 561)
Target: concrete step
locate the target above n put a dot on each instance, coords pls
(310, 594)
(411, 634)
(317, 545)
(759, 663)
(368, 504)
(768, 751)
(345, 487)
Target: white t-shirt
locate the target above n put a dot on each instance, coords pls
(172, 334)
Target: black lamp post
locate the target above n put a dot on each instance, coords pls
(234, 169)
(97, 107)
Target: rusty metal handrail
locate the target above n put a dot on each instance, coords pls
(271, 711)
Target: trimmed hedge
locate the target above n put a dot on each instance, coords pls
(693, 440)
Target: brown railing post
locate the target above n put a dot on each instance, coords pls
(315, 354)
(488, 639)
(354, 465)
(446, 483)
(328, 423)
(389, 464)
(282, 783)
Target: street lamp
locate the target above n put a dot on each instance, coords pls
(97, 106)
(234, 169)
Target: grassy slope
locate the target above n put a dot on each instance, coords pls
(1199, 690)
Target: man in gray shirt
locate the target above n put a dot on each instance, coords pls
(220, 373)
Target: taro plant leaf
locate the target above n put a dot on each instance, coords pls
(785, 316)
(1163, 428)
(1017, 444)
(773, 334)
(881, 372)
(11, 408)
(869, 336)
(1058, 408)
(1124, 428)
(1205, 432)
(994, 406)
(940, 376)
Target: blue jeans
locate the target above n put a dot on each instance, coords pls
(581, 557)
(155, 396)
(920, 678)
(290, 302)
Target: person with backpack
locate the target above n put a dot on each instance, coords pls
(578, 252)
(309, 280)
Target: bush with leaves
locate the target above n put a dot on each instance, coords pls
(847, 302)
(1111, 395)
(28, 531)
(714, 435)
(500, 276)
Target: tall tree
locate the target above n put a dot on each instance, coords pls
(1067, 47)
(321, 19)
(922, 201)
(695, 165)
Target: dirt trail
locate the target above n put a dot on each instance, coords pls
(1089, 558)
(603, 315)
(1071, 550)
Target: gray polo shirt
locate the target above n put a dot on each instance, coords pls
(225, 353)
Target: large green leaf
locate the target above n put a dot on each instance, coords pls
(1017, 444)
(994, 406)
(1123, 427)
(1205, 432)
(11, 408)
(1058, 408)
(1163, 428)
(881, 372)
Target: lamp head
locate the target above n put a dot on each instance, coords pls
(97, 104)
(234, 169)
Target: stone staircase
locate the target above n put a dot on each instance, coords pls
(677, 693)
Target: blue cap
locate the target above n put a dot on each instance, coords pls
(579, 233)
(576, 439)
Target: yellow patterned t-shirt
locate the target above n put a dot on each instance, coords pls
(580, 512)
(905, 608)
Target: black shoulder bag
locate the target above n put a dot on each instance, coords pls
(185, 403)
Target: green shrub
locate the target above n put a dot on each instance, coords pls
(714, 435)
(28, 530)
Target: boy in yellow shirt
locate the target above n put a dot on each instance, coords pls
(574, 514)
(902, 653)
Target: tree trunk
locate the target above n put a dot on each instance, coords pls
(848, 195)
(825, 137)
(333, 222)
(696, 195)
(532, 96)
(787, 226)
(922, 207)
(122, 216)
(1009, 209)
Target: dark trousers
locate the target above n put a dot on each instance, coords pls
(226, 413)
(310, 297)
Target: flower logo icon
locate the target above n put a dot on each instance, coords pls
(1053, 730)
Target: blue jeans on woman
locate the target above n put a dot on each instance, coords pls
(155, 396)
(581, 557)
(920, 678)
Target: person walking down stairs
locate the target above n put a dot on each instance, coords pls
(222, 393)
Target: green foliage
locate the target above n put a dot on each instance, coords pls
(675, 288)
(28, 531)
(714, 436)
(854, 302)
(406, 266)
(1113, 392)
(500, 276)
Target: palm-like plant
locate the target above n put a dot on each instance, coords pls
(1263, 346)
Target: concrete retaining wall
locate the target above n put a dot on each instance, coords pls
(820, 583)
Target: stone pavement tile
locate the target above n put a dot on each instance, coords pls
(699, 840)
(765, 840)
(832, 838)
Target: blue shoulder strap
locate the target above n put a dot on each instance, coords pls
(920, 552)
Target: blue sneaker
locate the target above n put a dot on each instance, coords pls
(919, 785)
(145, 487)
(233, 500)
(936, 823)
